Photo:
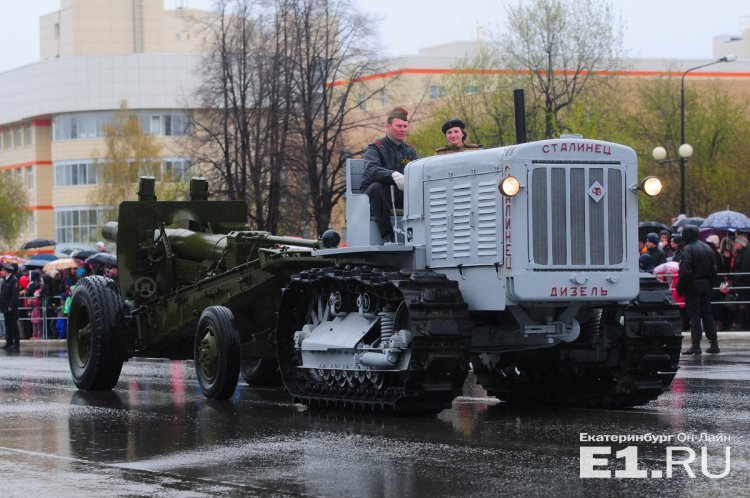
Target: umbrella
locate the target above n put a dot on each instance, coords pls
(646, 227)
(33, 244)
(35, 263)
(727, 220)
(706, 232)
(82, 254)
(103, 258)
(7, 258)
(61, 264)
(44, 257)
(668, 268)
(695, 220)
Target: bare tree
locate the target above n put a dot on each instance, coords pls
(242, 129)
(565, 46)
(277, 100)
(332, 50)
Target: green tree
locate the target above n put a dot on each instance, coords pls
(129, 153)
(718, 128)
(478, 95)
(563, 47)
(13, 213)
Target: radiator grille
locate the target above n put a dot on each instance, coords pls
(577, 215)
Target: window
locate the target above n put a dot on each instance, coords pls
(175, 170)
(169, 125)
(362, 103)
(70, 173)
(29, 135)
(79, 225)
(85, 125)
(155, 128)
(30, 177)
(436, 91)
(7, 139)
(31, 222)
(471, 89)
(178, 125)
(384, 97)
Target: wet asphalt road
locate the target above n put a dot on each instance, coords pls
(155, 435)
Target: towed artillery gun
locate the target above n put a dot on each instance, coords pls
(205, 292)
(518, 262)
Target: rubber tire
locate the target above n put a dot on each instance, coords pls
(96, 361)
(217, 353)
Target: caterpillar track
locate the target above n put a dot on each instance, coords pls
(431, 367)
(625, 357)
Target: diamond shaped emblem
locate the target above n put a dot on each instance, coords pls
(596, 191)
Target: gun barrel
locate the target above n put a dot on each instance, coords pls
(199, 246)
(196, 246)
(293, 241)
(109, 232)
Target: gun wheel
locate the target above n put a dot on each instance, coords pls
(217, 353)
(95, 324)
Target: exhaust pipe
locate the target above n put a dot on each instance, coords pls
(520, 111)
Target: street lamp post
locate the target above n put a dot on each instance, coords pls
(685, 150)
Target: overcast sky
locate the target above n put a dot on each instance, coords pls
(669, 29)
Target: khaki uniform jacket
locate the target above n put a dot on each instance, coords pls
(450, 149)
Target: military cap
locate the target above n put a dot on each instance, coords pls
(398, 113)
(452, 124)
(11, 267)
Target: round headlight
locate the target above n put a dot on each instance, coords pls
(651, 186)
(509, 186)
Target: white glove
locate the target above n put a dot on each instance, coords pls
(398, 179)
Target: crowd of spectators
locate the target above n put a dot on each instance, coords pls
(44, 295)
(731, 290)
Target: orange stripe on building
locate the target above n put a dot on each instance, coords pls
(41, 122)
(24, 165)
(40, 208)
(499, 72)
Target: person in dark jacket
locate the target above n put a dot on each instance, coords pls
(741, 280)
(645, 263)
(664, 244)
(716, 295)
(676, 244)
(696, 277)
(48, 300)
(385, 161)
(652, 246)
(9, 303)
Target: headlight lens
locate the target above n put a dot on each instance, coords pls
(509, 186)
(651, 186)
